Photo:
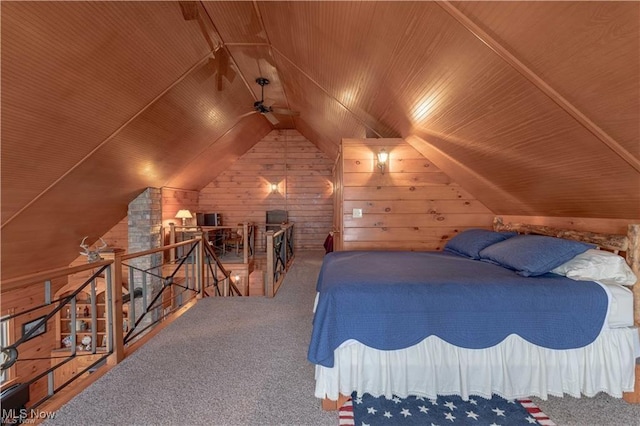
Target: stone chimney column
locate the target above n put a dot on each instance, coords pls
(145, 228)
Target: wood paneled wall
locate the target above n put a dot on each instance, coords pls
(338, 210)
(34, 353)
(118, 236)
(303, 176)
(174, 199)
(412, 206)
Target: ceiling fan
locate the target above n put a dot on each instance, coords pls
(267, 110)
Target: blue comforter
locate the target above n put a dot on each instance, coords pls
(392, 300)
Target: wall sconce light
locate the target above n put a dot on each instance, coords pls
(274, 188)
(383, 156)
(184, 215)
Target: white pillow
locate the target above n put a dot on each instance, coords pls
(597, 265)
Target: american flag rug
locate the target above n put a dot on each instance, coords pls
(445, 410)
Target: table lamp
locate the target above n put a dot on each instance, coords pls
(184, 215)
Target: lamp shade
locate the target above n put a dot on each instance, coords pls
(183, 214)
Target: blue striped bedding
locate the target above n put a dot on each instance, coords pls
(392, 300)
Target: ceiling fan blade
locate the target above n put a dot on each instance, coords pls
(247, 114)
(284, 111)
(272, 118)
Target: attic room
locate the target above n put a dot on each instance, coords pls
(116, 116)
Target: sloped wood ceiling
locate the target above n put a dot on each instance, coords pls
(533, 107)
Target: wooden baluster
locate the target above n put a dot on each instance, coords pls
(172, 240)
(200, 265)
(245, 242)
(270, 265)
(116, 309)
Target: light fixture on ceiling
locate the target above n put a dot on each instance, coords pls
(383, 156)
(184, 215)
(267, 109)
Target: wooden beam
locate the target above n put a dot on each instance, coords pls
(542, 85)
(608, 226)
(440, 159)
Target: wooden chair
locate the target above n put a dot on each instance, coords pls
(274, 219)
(233, 239)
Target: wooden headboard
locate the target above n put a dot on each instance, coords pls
(627, 245)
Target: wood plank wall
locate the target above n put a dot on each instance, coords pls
(338, 210)
(118, 236)
(34, 353)
(303, 176)
(412, 206)
(174, 199)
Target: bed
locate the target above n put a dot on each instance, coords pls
(496, 312)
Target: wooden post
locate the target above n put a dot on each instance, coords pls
(269, 283)
(634, 397)
(331, 405)
(200, 256)
(172, 240)
(245, 242)
(116, 309)
(633, 259)
(285, 242)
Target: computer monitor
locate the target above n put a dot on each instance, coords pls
(212, 219)
(200, 219)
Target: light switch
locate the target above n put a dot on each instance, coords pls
(357, 213)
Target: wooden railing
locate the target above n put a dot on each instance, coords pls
(133, 295)
(280, 254)
(124, 298)
(47, 312)
(217, 237)
(217, 276)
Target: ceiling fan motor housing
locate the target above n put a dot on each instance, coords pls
(259, 106)
(265, 110)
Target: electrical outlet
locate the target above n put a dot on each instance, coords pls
(357, 213)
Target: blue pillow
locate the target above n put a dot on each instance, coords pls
(469, 243)
(531, 255)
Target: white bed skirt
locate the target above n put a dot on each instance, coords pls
(512, 369)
